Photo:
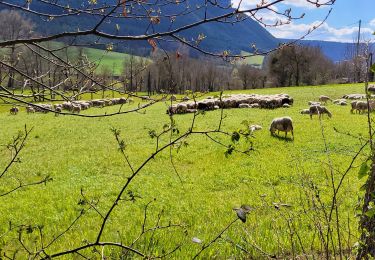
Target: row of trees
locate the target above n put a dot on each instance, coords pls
(295, 65)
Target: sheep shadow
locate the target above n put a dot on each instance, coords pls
(282, 138)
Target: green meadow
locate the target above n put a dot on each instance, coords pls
(198, 191)
(110, 61)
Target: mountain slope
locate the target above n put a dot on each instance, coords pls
(219, 36)
(336, 51)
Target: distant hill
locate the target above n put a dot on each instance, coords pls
(236, 38)
(336, 51)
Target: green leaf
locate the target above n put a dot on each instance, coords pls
(152, 133)
(363, 171)
(370, 213)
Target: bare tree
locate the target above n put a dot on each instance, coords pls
(251, 77)
(299, 65)
(14, 27)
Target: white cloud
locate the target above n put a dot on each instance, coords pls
(324, 32)
(372, 23)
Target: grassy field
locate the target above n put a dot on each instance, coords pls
(81, 153)
(106, 60)
(256, 60)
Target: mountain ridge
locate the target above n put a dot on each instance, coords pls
(234, 38)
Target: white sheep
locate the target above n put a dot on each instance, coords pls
(314, 103)
(244, 105)
(338, 101)
(362, 106)
(255, 105)
(319, 110)
(30, 109)
(324, 99)
(76, 108)
(253, 128)
(371, 88)
(305, 111)
(58, 110)
(284, 124)
(181, 108)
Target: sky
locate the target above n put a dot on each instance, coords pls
(341, 25)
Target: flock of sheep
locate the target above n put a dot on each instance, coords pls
(283, 124)
(232, 101)
(73, 107)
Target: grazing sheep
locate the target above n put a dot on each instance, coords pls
(84, 105)
(108, 102)
(240, 101)
(122, 100)
(43, 108)
(173, 98)
(287, 100)
(243, 105)
(361, 106)
(284, 124)
(181, 108)
(324, 99)
(354, 96)
(339, 102)
(172, 110)
(253, 128)
(14, 110)
(76, 108)
(97, 103)
(58, 110)
(354, 106)
(191, 105)
(30, 109)
(314, 103)
(255, 105)
(371, 88)
(101, 103)
(305, 111)
(319, 110)
(206, 105)
(67, 106)
(186, 98)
